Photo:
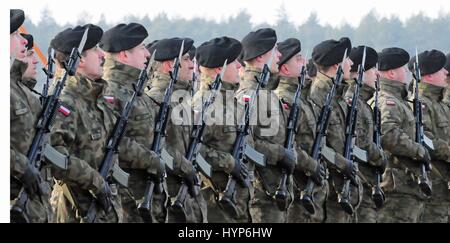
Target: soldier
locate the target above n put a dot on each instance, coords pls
(179, 125)
(81, 129)
(29, 76)
(404, 201)
(220, 132)
(377, 160)
(290, 65)
(125, 57)
(436, 122)
(327, 55)
(259, 48)
(24, 112)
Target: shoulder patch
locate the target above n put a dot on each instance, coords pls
(64, 110)
(390, 103)
(109, 99)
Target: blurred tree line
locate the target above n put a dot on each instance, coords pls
(375, 31)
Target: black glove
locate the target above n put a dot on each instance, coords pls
(31, 180)
(240, 173)
(319, 174)
(104, 198)
(382, 162)
(289, 161)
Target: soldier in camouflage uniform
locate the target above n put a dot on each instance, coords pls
(404, 201)
(377, 160)
(24, 111)
(436, 122)
(81, 129)
(125, 58)
(290, 65)
(270, 127)
(179, 124)
(327, 55)
(220, 132)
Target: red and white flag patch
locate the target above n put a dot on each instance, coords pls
(390, 102)
(65, 111)
(349, 101)
(109, 99)
(246, 98)
(285, 106)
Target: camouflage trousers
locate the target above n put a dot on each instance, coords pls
(195, 209)
(36, 209)
(437, 208)
(65, 212)
(263, 207)
(367, 211)
(298, 214)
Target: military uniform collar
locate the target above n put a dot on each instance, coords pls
(17, 69)
(207, 80)
(161, 81)
(288, 83)
(87, 88)
(430, 91)
(30, 83)
(116, 71)
(365, 94)
(395, 88)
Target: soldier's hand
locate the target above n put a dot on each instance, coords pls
(157, 169)
(319, 174)
(240, 173)
(31, 180)
(289, 161)
(426, 159)
(382, 162)
(103, 198)
(189, 174)
(350, 170)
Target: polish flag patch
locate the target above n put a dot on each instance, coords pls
(109, 99)
(246, 98)
(349, 101)
(64, 111)
(390, 102)
(285, 106)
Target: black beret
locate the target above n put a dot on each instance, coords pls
(330, 52)
(151, 46)
(16, 18)
(213, 53)
(256, 43)
(29, 39)
(123, 37)
(69, 38)
(192, 52)
(392, 58)
(431, 61)
(311, 68)
(168, 49)
(447, 63)
(356, 56)
(288, 49)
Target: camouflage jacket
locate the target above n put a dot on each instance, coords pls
(436, 122)
(220, 132)
(178, 129)
(81, 130)
(364, 131)
(134, 149)
(269, 131)
(446, 99)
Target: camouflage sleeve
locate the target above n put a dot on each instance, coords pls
(441, 147)
(394, 139)
(63, 139)
(18, 163)
(304, 140)
(219, 160)
(136, 156)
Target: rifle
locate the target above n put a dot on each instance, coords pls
(240, 147)
(377, 193)
(306, 196)
(291, 132)
(46, 118)
(49, 72)
(112, 146)
(422, 139)
(193, 149)
(156, 184)
(344, 199)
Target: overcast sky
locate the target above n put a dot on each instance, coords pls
(333, 12)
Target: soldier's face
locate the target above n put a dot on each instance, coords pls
(294, 65)
(231, 74)
(439, 78)
(347, 65)
(399, 74)
(186, 69)
(276, 59)
(32, 61)
(370, 76)
(137, 56)
(91, 63)
(17, 46)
